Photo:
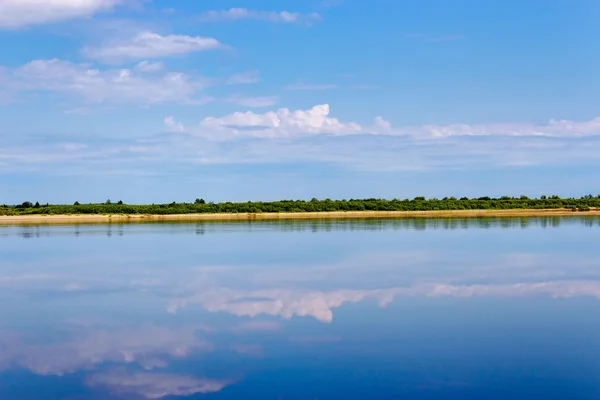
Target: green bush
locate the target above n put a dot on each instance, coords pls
(314, 205)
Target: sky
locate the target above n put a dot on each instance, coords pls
(151, 101)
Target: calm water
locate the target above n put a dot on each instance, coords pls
(407, 309)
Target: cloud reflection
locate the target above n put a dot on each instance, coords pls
(153, 385)
(280, 303)
(149, 347)
(320, 305)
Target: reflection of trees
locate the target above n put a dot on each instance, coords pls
(325, 225)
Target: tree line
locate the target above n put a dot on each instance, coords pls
(200, 206)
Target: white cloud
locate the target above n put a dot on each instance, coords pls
(182, 153)
(20, 13)
(147, 66)
(381, 126)
(141, 85)
(150, 45)
(172, 125)
(235, 14)
(244, 78)
(305, 137)
(280, 123)
(316, 120)
(554, 128)
(153, 385)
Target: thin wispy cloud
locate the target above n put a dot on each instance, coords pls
(141, 85)
(148, 45)
(237, 14)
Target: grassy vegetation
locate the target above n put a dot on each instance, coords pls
(314, 205)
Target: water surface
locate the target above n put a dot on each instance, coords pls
(495, 308)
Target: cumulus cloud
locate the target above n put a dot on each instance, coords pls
(146, 45)
(20, 13)
(153, 385)
(236, 14)
(172, 125)
(281, 123)
(144, 84)
(316, 120)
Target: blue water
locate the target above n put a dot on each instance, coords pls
(404, 309)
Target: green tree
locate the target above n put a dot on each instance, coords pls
(108, 202)
(199, 201)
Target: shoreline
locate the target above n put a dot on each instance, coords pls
(133, 218)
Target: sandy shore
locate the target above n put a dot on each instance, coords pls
(85, 218)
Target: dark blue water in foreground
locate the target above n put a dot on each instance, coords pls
(407, 309)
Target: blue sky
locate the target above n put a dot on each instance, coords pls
(152, 101)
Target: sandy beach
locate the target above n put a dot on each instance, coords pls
(120, 218)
